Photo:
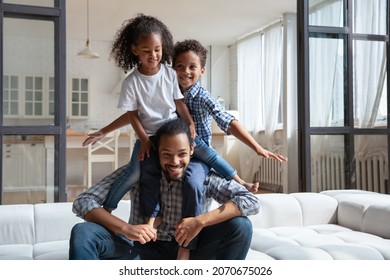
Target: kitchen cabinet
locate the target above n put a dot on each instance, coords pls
(33, 97)
(24, 173)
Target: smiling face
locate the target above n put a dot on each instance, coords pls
(188, 69)
(149, 51)
(175, 152)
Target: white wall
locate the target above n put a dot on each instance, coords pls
(103, 76)
(219, 67)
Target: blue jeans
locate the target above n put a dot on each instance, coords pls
(90, 241)
(193, 188)
(209, 156)
(123, 184)
(229, 240)
(149, 185)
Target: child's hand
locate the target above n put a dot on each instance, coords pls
(186, 230)
(93, 137)
(146, 146)
(192, 130)
(267, 154)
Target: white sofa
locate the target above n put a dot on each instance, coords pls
(40, 231)
(340, 225)
(346, 224)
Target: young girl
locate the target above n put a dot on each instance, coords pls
(151, 96)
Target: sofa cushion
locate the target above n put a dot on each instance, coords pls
(376, 220)
(321, 242)
(317, 208)
(16, 224)
(16, 252)
(54, 221)
(256, 255)
(365, 211)
(295, 209)
(325, 252)
(351, 252)
(381, 245)
(298, 253)
(277, 209)
(263, 240)
(54, 250)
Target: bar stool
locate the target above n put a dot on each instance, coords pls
(105, 150)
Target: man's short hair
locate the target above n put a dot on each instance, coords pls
(172, 128)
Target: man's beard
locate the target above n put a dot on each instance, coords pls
(176, 178)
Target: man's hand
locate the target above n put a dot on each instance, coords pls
(186, 230)
(141, 233)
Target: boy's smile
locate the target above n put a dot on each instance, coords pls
(188, 69)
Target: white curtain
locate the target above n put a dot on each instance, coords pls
(248, 82)
(259, 66)
(272, 78)
(369, 77)
(369, 61)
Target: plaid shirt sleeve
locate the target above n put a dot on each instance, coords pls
(95, 196)
(223, 190)
(218, 113)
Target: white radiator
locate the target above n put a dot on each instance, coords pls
(371, 174)
(270, 174)
(328, 173)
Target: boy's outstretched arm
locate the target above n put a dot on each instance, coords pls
(241, 134)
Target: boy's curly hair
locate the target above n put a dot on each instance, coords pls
(129, 34)
(190, 45)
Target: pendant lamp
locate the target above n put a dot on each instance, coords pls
(88, 52)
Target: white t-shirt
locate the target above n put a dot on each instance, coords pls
(153, 96)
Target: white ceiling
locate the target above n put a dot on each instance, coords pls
(213, 22)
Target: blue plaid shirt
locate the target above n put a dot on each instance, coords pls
(203, 107)
(216, 187)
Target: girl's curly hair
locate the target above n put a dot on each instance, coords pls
(129, 34)
(190, 45)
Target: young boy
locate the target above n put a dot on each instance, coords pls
(189, 61)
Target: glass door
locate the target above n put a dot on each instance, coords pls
(33, 120)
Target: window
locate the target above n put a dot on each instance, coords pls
(79, 97)
(33, 96)
(11, 95)
(343, 111)
(51, 97)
